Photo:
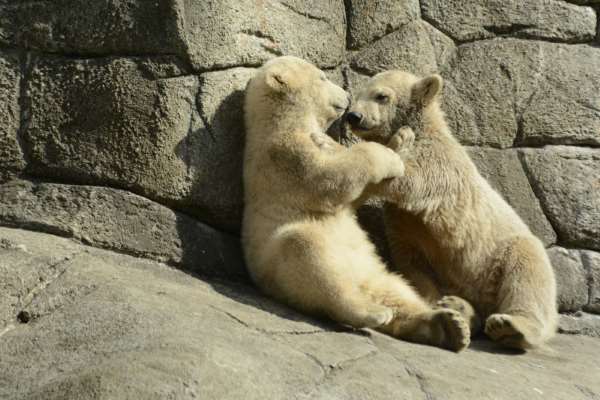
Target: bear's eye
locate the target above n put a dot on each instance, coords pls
(382, 98)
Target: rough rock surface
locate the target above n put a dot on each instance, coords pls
(370, 20)
(502, 168)
(564, 107)
(85, 323)
(141, 130)
(591, 260)
(471, 20)
(571, 277)
(580, 323)
(566, 181)
(101, 27)
(523, 92)
(11, 156)
(415, 47)
(121, 127)
(208, 35)
(247, 32)
(134, 115)
(124, 222)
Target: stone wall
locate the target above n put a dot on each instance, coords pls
(121, 121)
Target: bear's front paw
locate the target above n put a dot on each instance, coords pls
(402, 140)
(385, 163)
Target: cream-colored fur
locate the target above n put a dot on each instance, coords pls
(301, 239)
(450, 233)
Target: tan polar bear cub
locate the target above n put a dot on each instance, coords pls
(302, 243)
(450, 233)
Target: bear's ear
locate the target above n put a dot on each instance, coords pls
(425, 90)
(279, 80)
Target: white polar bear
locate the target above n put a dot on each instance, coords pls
(449, 232)
(301, 239)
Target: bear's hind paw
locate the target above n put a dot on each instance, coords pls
(456, 333)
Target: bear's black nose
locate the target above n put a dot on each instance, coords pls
(354, 118)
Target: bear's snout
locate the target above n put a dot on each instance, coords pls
(354, 118)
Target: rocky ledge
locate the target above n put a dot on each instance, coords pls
(78, 322)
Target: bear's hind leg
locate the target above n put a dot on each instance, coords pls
(526, 313)
(466, 310)
(414, 319)
(311, 277)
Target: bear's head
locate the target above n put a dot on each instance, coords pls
(393, 99)
(288, 90)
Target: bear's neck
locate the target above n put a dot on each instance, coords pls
(434, 121)
(427, 122)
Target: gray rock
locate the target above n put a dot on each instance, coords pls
(112, 121)
(565, 179)
(336, 75)
(490, 81)
(591, 260)
(564, 106)
(580, 323)
(571, 278)
(462, 119)
(11, 156)
(208, 35)
(24, 271)
(584, 2)
(498, 93)
(246, 33)
(124, 222)
(92, 28)
(535, 19)
(134, 123)
(503, 170)
(506, 92)
(416, 47)
(113, 326)
(370, 20)
(216, 160)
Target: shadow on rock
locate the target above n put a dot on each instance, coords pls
(483, 344)
(213, 152)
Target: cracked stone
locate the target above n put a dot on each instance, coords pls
(208, 35)
(539, 19)
(505, 92)
(571, 278)
(134, 124)
(566, 182)
(11, 156)
(503, 170)
(370, 20)
(124, 222)
(580, 323)
(219, 161)
(142, 329)
(234, 33)
(564, 108)
(591, 260)
(91, 28)
(22, 273)
(416, 47)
